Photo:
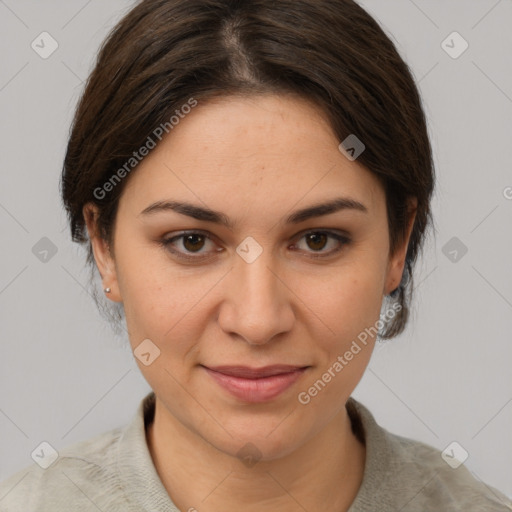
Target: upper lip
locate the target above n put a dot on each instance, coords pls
(245, 372)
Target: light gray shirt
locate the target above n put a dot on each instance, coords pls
(114, 472)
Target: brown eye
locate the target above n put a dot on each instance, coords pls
(193, 242)
(317, 241)
(191, 246)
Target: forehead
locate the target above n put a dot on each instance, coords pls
(269, 150)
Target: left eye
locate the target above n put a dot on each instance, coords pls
(319, 240)
(194, 241)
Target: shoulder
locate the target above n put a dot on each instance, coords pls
(408, 475)
(438, 481)
(81, 472)
(112, 471)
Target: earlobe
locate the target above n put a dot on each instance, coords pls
(102, 254)
(396, 268)
(395, 273)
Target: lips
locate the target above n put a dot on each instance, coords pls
(245, 372)
(255, 384)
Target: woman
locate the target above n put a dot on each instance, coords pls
(253, 181)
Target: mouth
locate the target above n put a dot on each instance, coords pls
(255, 385)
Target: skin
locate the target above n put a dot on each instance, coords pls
(256, 159)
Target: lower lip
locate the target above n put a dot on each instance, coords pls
(256, 390)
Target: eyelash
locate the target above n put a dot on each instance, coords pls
(167, 242)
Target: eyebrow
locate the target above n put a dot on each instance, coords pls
(208, 215)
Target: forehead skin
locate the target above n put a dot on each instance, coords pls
(256, 159)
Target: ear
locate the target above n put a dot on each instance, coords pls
(102, 254)
(397, 260)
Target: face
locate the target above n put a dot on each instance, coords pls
(244, 274)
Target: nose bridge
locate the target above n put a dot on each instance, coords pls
(253, 265)
(259, 308)
(258, 281)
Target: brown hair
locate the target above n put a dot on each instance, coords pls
(331, 52)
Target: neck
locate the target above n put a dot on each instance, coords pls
(323, 474)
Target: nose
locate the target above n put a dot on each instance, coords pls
(258, 302)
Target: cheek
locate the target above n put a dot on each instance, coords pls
(166, 304)
(344, 301)
(160, 307)
(349, 306)
(152, 297)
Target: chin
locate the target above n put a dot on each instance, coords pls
(258, 438)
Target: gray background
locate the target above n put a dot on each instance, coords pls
(65, 377)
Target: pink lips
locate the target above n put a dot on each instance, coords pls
(255, 384)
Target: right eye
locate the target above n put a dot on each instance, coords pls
(191, 242)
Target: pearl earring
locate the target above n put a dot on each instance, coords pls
(107, 290)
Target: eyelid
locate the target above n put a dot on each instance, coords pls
(328, 231)
(167, 241)
(342, 237)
